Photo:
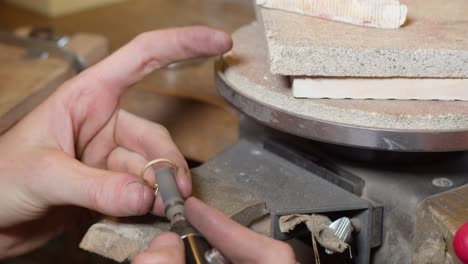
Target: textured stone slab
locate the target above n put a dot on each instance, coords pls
(432, 43)
(439, 218)
(246, 69)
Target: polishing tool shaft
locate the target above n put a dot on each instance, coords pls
(197, 249)
(170, 195)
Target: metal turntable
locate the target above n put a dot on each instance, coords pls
(246, 82)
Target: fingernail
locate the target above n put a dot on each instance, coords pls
(138, 198)
(182, 172)
(223, 41)
(184, 181)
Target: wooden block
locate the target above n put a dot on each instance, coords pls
(25, 82)
(433, 43)
(55, 8)
(439, 218)
(120, 241)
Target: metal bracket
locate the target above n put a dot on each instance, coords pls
(40, 45)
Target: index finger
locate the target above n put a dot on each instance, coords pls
(152, 50)
(237, 243)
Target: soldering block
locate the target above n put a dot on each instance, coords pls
(432, 43)
(119, 240)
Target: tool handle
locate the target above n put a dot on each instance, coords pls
(170, 195)
(195, 245)
(197, 249)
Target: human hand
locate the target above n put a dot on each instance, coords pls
(235, 242)
(78, 149)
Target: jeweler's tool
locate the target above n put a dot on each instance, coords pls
(197, 248)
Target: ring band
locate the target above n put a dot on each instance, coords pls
(154, 162)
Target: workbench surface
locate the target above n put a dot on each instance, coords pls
(169, 94)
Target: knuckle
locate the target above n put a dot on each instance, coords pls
(142, 40)
(151, 129)
(99, 195)
(143, 43)
(162, 129)
(141, 138)
(95, 195)
(141, 133)
(187, 41)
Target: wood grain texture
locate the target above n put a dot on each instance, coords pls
(122, 239)
(439, 218)
(59, 7)
(25, 82)
(192, 84)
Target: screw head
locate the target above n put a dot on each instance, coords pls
(442, 182)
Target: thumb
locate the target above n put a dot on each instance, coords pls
(166, 248)
(68, 181)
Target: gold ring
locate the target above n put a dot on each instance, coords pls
(154, 162)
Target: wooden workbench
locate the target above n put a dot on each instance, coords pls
(206, 124)
(26, 78)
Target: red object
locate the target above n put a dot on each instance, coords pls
(460, 243)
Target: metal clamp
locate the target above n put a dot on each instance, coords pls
(45, 46)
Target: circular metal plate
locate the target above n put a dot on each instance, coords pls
(244, 80)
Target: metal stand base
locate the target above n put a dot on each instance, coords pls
(382, 197)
